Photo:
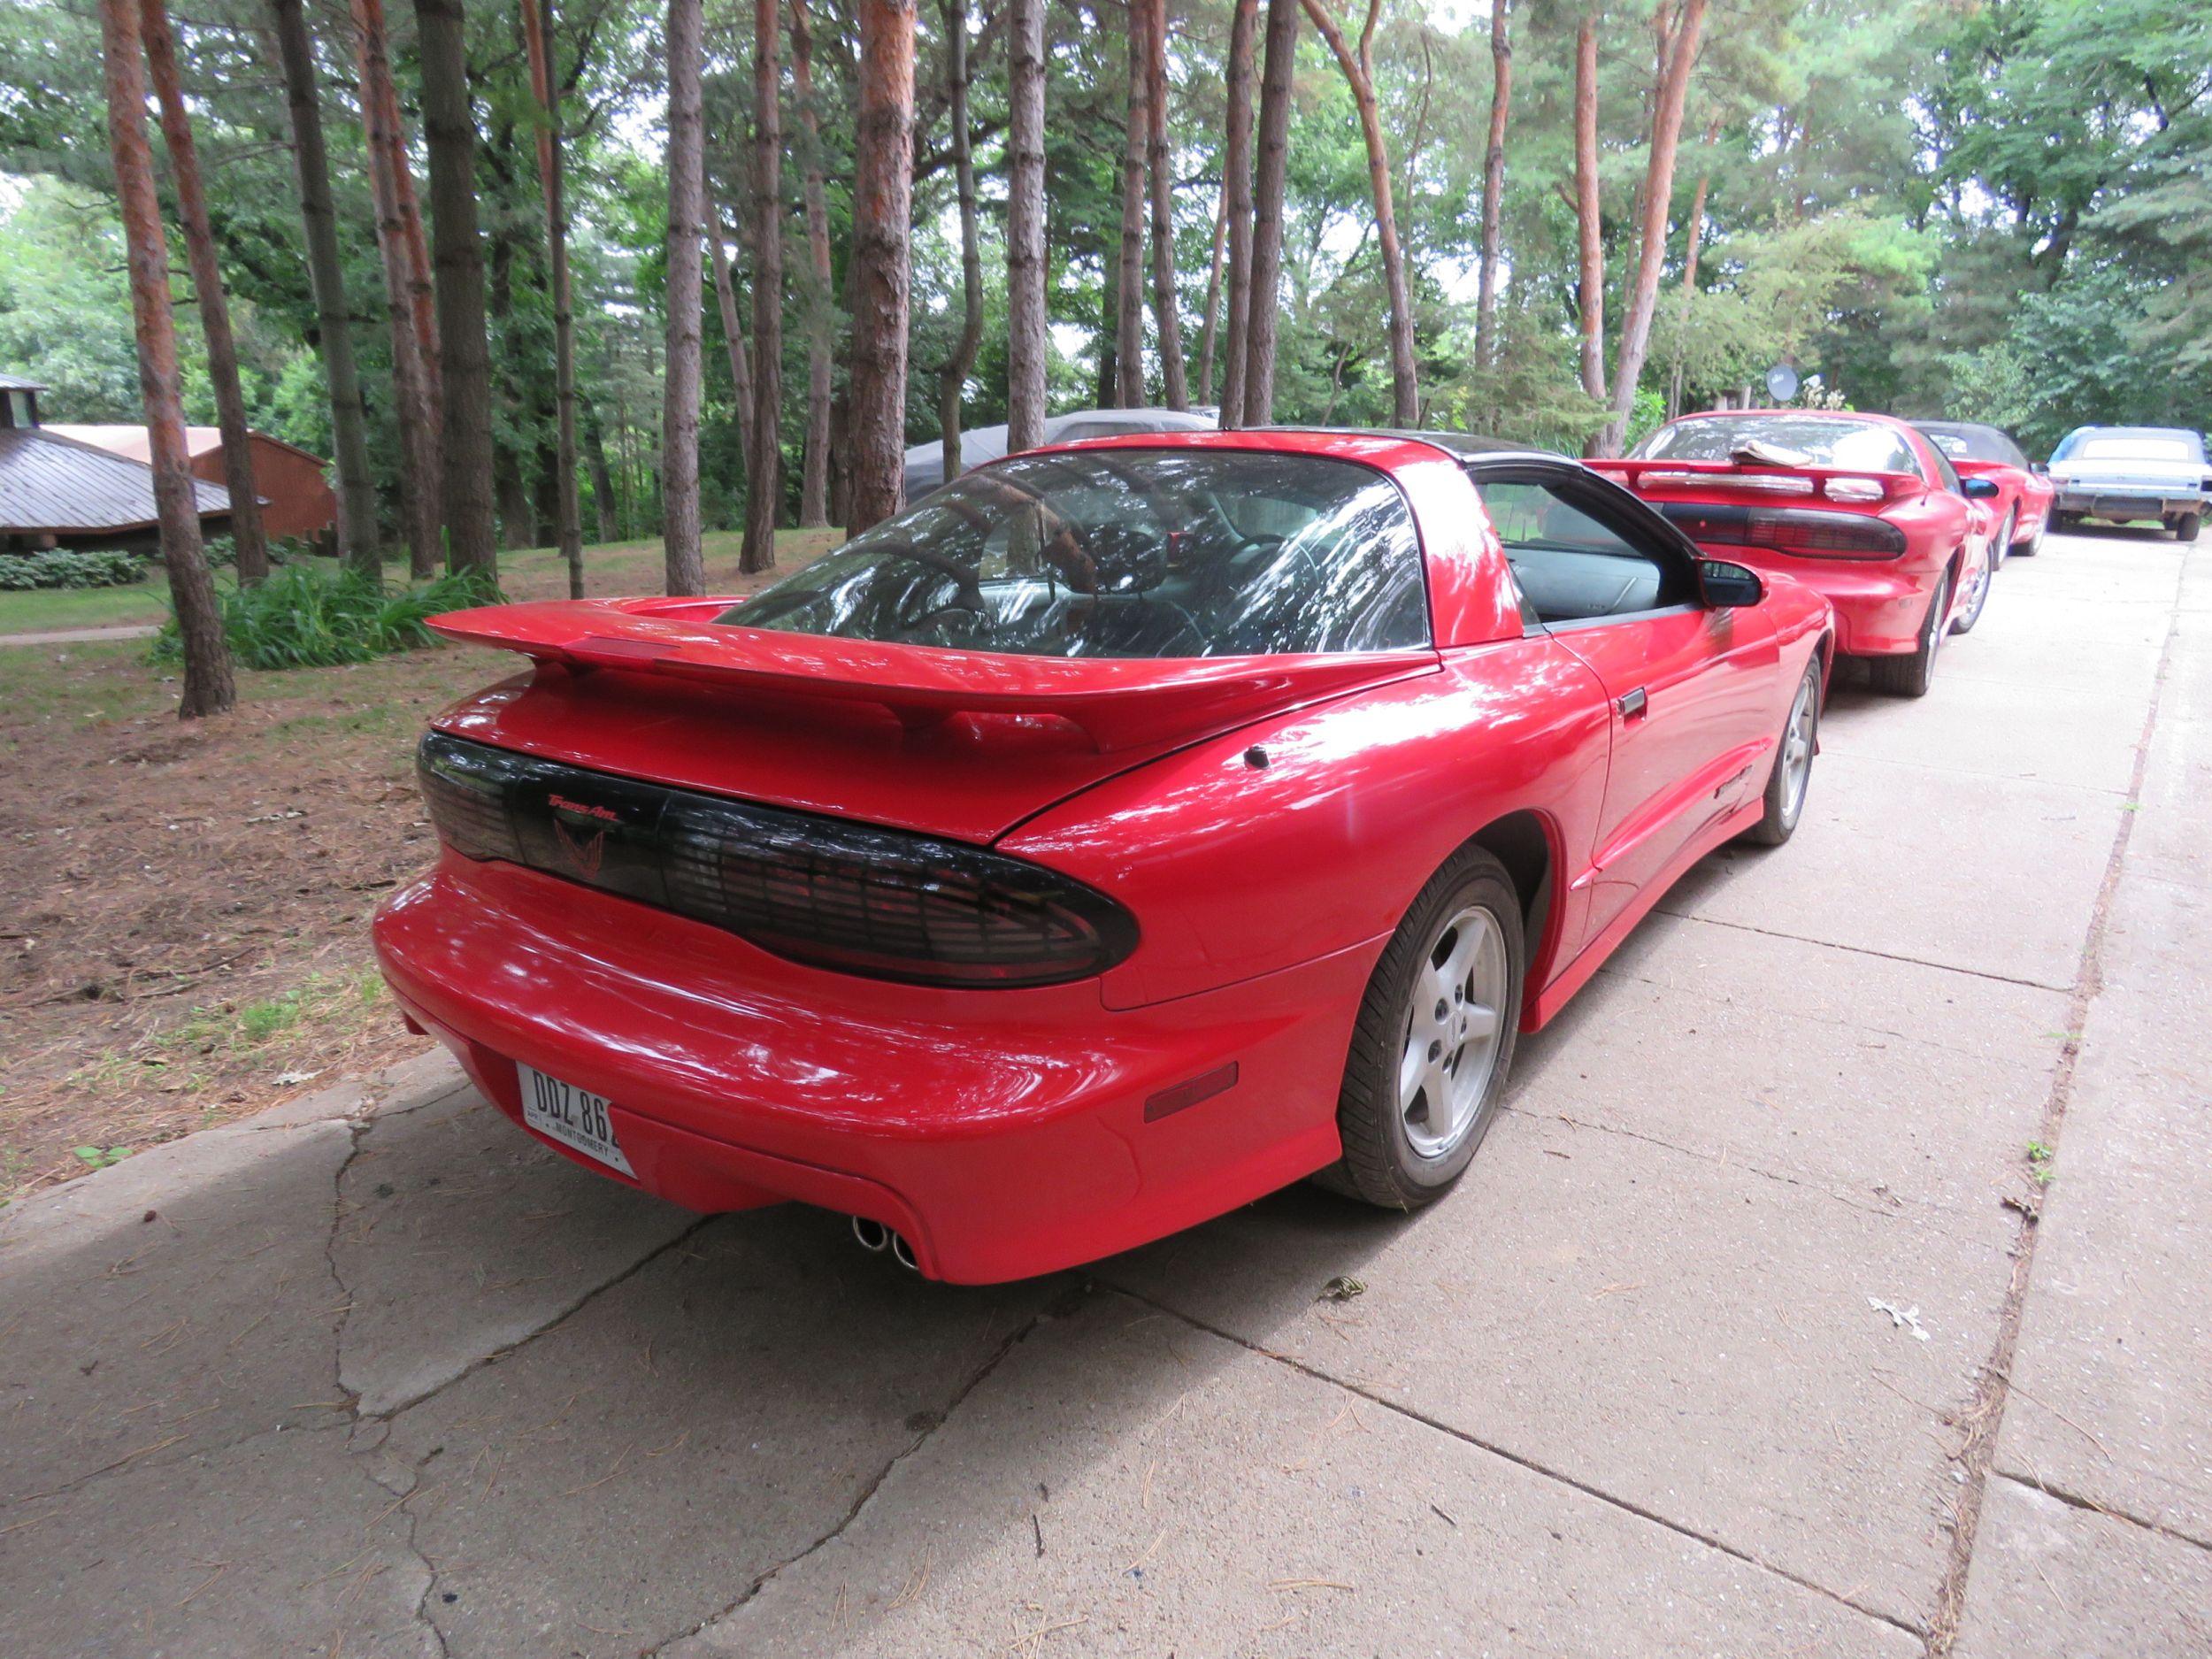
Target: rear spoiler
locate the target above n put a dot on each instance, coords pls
(1117, 703)
(1845, 486)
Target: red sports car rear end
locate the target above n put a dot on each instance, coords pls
(1861, 508)
(1125, 832)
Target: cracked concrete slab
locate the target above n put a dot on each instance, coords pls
(2113, 1372)
(1893, 1083)
(2052, 1580)
(1125, 1484)
(629, 1474)
(277, 1545)
(1992, 875)
(179, 1301)
(1690, 1336)
(459, 1236)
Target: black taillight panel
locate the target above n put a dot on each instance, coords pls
(886, 904)
(1812, 531)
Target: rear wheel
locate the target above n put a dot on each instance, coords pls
(2000, 545)
(1910, 675)
(2186, 527)
(1976, 599)
(1792, 772)
(1434, 1040)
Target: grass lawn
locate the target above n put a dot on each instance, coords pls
(613, 569)
(184, 938)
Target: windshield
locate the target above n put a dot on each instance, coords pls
(1861, 445)
(2134, 449)
(1975, 443)
(1127, 553)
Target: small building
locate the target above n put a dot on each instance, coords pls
(55, 492)
(296, 499)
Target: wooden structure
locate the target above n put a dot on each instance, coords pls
(55, 491)
(296, 499)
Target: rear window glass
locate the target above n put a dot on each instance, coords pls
(1975, 443)
(1127, 553)
(1861, 445)
(2136, 449)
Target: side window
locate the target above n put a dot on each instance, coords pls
(1946, 475)
(1571, 566)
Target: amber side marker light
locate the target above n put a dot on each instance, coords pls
(1168, 1101)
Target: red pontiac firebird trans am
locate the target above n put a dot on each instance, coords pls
(2025, 495)
(1130, 830)
(1861, 507)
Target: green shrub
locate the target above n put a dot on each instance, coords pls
(67, 567)
(301, 618)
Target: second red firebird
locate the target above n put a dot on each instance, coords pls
(1130, 830)
(1861, 507)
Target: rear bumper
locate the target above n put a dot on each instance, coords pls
(1003, 1133)
(2124, 506)
(1879, 604)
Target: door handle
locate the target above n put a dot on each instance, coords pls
(1632, 704)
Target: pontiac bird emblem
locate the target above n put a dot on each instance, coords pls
(585, 854)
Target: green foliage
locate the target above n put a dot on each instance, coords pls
(305, 617)
(64, 567)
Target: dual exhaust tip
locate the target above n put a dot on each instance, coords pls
(875, 1237)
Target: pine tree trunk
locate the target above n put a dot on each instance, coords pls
(1358, 64)
(1668, 97)
(1494, 184)
(603, 498)
(1590, 231)
(763, 496)
(208, 686)
(1273, 141)
(882, 212)
(1209, 329)
(680, 410)
(821, 335)
(1174, 382)
(207, 281)
(733, 336)
(1129, 280)
(359, 542)
(1236, 187)
(537, 24)
(412, 371)
(1026, 350)
(952, 379)
(1689, 276)
(464, 366)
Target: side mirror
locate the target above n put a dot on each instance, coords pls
(1977, 489)
(1726, 586)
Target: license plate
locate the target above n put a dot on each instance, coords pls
(576, 1118)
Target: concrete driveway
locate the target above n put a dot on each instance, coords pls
(1743, 1335)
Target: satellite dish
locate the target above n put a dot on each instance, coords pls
(1781, 383)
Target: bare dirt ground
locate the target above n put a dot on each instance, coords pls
(183, 933)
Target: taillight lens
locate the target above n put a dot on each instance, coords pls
(887, 903)
(1805, 530)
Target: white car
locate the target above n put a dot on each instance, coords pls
(925, 462)
(2122, 474)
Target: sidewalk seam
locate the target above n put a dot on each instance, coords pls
(1865, 950)
(2075, 1501)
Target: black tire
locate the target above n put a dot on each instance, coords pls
(2063, 522)
(2186, 526)
(1380, 1164)
(1910, 675)
(2001, 545)
(1784, 804)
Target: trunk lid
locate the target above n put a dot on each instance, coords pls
(958, 743)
